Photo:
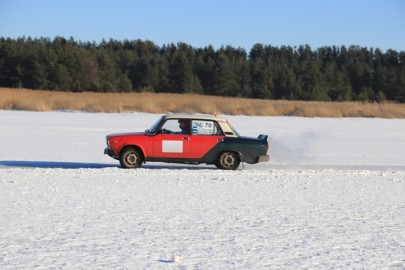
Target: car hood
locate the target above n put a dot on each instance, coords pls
(125, 134)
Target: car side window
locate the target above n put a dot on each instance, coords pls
(206, 127)
(176, 126)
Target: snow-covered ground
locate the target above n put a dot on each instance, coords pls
(332, 197)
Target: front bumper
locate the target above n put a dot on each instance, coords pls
(263, 158)
(110, 152)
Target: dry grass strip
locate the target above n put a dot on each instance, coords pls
(39, 100)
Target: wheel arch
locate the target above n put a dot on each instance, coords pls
(131, 146)
(233, 151)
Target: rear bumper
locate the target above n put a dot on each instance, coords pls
(263, 158)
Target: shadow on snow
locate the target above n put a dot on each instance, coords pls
(53, 164)
(84, 165)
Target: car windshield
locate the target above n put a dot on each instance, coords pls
(155, 126)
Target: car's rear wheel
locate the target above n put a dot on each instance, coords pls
(228, 161)
(131, 158)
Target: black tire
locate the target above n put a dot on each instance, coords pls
(228, 161)
(131, 158)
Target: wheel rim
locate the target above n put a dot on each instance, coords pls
(131, 159)
(228, 160)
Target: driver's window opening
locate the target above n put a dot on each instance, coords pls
(176, 126)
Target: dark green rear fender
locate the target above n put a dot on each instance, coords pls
(248, 149)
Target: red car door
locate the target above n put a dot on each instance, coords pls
(205, 135)
(170, 142)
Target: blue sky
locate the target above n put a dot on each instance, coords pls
(367, 23)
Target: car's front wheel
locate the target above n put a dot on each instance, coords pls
(131, 158)
(228, 161)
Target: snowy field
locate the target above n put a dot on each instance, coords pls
(331, 197)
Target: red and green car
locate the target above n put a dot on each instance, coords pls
(189, 139)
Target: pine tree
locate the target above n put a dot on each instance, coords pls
(226, 83)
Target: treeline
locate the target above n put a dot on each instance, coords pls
(266, 72)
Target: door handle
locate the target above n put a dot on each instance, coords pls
(186, 138)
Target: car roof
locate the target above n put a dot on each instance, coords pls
(194, 116)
